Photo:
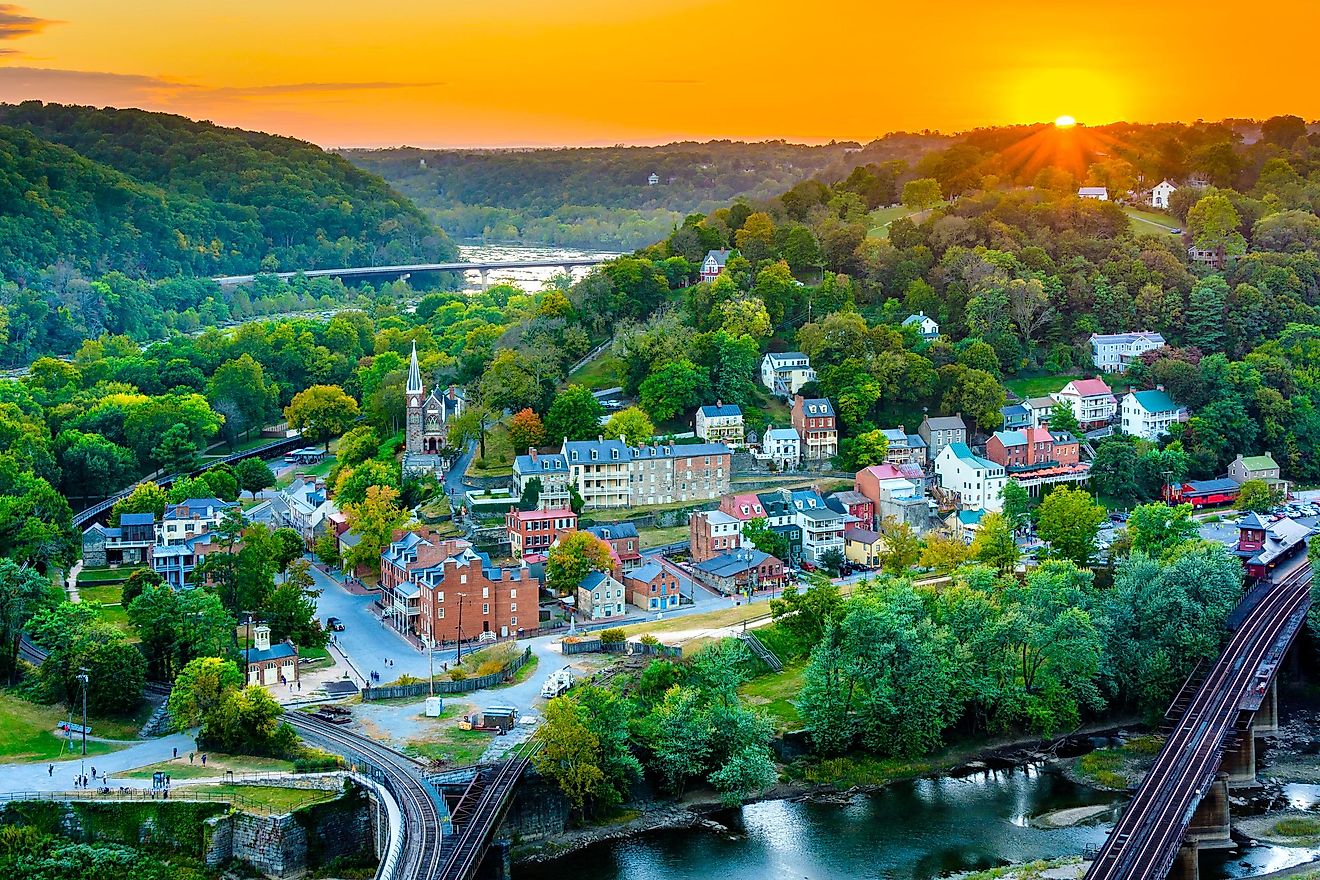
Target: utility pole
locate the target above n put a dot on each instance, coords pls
(82, 677)
(430, 662)
(461, 597)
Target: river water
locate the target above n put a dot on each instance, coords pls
(528, 279)
(915, 830)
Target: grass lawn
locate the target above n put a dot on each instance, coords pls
(27, 732)
(774, 692)
(880, 219)
(706, 620)
(527, 671)
(451, 746)
(273, 797)
(1118, 767)
(106, 575)
(101, 593)
(850, 770)
(498, 460)
(216, 765)
(660, 537)
(320, 469)
(1150, 221)
(1037, 386)
(605, 371)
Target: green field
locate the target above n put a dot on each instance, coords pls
(272, 797)
(27, 732)
(105, 575)
(1037, 386)
(216, 765)
(605, 371)
(660, 537)
(880, 219)
(1150, 221)
(499, 454)
(451, 746)
(107, 598)
(774, 692)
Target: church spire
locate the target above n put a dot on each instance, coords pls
(414, 374)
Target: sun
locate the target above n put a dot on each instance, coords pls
(1065, 122)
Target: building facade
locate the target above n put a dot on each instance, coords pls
(1149, 414)
(721, 423)
(927, 326)
(552, 473)
(712, 533)
(623, 541)
(269, 664)
(713, 265)
(1092, 402)
(533, 531)
(653, 587)
(815, 423)
(187, 519)
(1251, 467)
(1112, 352)
(600, 596)
(741, 572)
(784, 373)
(940, 431)
(782, 447)
(427, 416)
(977, 483)
(1160, 193)
(610, 474)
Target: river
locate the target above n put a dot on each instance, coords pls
(527, 279)
(914, 830)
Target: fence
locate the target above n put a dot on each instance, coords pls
(631, 648)
(180, 794)
(446, 685)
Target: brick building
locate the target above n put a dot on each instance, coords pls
(711, 533)
(533, 531)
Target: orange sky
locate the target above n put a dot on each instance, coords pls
(547, 72)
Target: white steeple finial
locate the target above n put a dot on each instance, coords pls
(414, 374)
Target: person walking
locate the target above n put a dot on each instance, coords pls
(203, 759)
(50, 771)
(190, 757)
(176, 751)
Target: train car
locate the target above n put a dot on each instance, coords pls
(1204, 493)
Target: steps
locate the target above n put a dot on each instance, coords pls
(764, 654)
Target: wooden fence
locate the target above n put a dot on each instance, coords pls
(447, 685)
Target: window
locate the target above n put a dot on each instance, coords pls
(440, 596)
(513, 594)
(440, 613)
(485, 592)
(462, 579)
(513, 606)
(513, 621)
(485, 608)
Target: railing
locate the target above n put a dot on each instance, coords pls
(180, 794)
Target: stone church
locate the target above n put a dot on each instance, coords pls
(427, 422)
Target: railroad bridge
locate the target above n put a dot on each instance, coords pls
(1182, 805)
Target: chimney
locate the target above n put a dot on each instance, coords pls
(531, 453)
(718, 403)
(600, 438)
(261, 638)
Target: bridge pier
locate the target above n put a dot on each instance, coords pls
(1240, 761)
(497, 864)
(567, 270)
(1188, 864)
(485, 278)
(1267, 716)
(1211, 827)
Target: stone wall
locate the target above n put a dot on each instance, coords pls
(538, 812)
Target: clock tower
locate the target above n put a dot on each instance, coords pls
(414, 394)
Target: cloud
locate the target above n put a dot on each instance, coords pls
(15, 24)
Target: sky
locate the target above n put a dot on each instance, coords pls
(499, 73)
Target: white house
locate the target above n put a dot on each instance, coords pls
(1039, 409)
(713, 265)
(925, 324)
(1099, 193)
(978, 482)
(1149, 414)
(784, 373)
(721, 423)
(1159, 194)
(192, 517)
(782, 446)
(600, 595)
(822, 526)
(1112, 352)
(1092, 402)
(653, 179)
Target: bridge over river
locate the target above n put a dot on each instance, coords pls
(394, 273)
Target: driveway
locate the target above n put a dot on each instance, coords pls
(36, 777)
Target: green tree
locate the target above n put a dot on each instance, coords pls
(570, 756)
(921, 193)
(290, 609)
(199, 688)
(1213, 223)
(673, 389)
(569, 561)
(254, 475)
(1258, 496)
(356, 446)
(575, 414)
(174, 627)
(223, 482)
(115, 668)
(868, 448)
(321, 412)
(758, 533)
(374, 520)
(632, 425)
(326, 549)
(995, 544)
(286, 546)
(943, 553)
(1063, 420)
(1069, 521)
(91, 465)
(353, 483)
(23, 593)
(1017, 505)
(1157, 529)
(1114, 470)
(978, 396)
(238, 388)
(246, 722)
(902, 546)
(176, 453)
(1206, 310)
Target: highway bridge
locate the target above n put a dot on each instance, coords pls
(438, 844)
(394, 273)
(1182, 804)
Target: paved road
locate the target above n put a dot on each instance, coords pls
(35, 777)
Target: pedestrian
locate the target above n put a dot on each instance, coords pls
(93, 772)
(203, 759)
(190, 757)
(176, 751)
(50, 771)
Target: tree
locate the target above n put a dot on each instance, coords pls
(23, 592)
(868, 448)
(832, 560)
(358, 445)
(569, 561)
(199, 688)
(922, 193)
(1206, 310)
(238, 387)
(174, 627)
(254, 475)
(1069, 520)
(1213, 223)
(115, 667)
(509, 382)
(321, 412)
(1114, 470)
(326, 548)
(1258, 496)
(90, 464)
(1063, 420)
(1017, 504)
(246, 722)
(1157, 529)
(138, 582)
(526, 431)
(943, 553)
(291, 608)
(672, 389)
(222, 482)
(286, 546)
(632, 425)
(574, 414)
(902, 546)
(570, 755)
(758, 533)
(995, 544)
(374, 520)
(188, 487)
(978, 396)
(176, 453)
(352, 485)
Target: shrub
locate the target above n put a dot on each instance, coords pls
(458, 673)
(649, 639)
(408, 679)
(490, 667)
(611, 636)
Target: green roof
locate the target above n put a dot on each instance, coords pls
(1259, 462)
(1154, 401)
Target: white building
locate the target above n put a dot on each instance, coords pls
(784, 373)
(1159, 194)
(1149, 414)
(1112, 352)
(1039, 409)
(721, 423)
(925, 324)
(303, 507)
(782, 446)
(1091, 401)
(1099, 193)
(653, 179)
(551, 470)
(822, 527)
(978, 482)
(190, 518)
(713, 265)
(600, 596)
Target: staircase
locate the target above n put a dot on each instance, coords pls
(160, 721)
(764, 654)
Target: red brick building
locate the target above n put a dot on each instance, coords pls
(712, 533)
(623, 540)
(814, 421)
(652, 587)
(533, 531)
(1033, 446)
(441, 589)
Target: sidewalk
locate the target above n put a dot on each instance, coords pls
(36, 777)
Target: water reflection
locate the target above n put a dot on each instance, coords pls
(530, 280)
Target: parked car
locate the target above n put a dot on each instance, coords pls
(334, 624)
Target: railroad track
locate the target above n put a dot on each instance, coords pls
(422, 823)
(467, 847)
(1145, 841)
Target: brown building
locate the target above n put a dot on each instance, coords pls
(653, 587)
(1034, 446)
(533, 531)
(441, 589)
(813, 419)
(623, 539)
(712, 533)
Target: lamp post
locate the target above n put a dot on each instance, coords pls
(459, 658)
(84, 680)
(430, 662)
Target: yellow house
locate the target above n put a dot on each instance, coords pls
(863, 547)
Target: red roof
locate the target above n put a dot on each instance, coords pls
(885, 472)
(1091, 387)
(525, 515)
(1039, 435)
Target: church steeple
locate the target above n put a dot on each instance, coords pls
(414, 374)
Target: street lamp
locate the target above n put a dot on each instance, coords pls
(459, 658)
(84, 680)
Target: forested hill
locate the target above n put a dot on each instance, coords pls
(151, 195)
(601, 196)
